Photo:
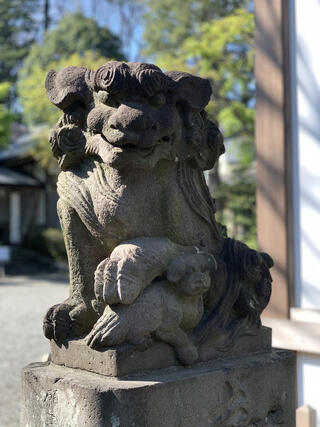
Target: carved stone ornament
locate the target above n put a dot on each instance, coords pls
(148, 261)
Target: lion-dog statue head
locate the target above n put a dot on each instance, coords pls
(132, 115)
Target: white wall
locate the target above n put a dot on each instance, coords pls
(306, 101)
(308, 378)
(305, 80)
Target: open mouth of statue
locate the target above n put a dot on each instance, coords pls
(134, 148)
(127, 143)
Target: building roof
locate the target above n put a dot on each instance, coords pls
(9, 177)
(22, 140)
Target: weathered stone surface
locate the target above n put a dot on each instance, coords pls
(147, 259)
(128, 359)
(255, 391)
(115, 362)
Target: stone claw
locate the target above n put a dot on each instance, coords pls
(110, 330)
(63, 320)
(57, 322)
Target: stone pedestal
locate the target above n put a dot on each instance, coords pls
(128, 359)
(256, 390)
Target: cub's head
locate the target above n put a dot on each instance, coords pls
(132, 115)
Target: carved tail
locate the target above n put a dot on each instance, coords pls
(245, 268)
(218, 318)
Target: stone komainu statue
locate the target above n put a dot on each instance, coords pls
(147, 259)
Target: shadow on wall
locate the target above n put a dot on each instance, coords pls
(304, 147)
(307, 128)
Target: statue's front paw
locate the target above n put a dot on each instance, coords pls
(57, 322)
(110, 330)
(105, 282)
(117, 282)
(68, 319)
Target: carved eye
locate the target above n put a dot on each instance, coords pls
(107, 99)
(157, 100)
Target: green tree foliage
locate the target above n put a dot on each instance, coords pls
(74, 34)
(48, 242)
(6, 116)
(238, 199)
(223, 52)
(17, 32)
(36, 106)
(214, 39)
(168, 23)
(77, 41)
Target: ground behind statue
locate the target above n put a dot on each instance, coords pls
(23, 301)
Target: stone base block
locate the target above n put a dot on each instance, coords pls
(257, 390)
(128, 359)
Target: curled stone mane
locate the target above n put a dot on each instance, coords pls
(196, 193)
(116, 77)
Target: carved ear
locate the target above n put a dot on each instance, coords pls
(267, 259)
(176, 270)
(192, 91)
(66, 86)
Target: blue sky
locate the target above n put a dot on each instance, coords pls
(106, 13)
